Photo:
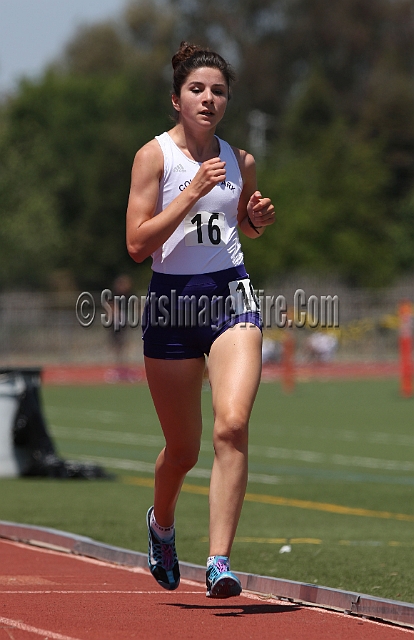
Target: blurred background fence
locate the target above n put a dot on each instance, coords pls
(42, 328)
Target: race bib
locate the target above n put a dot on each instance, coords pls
(244, 297)
(204, 228)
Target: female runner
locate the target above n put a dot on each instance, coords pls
(190, 192)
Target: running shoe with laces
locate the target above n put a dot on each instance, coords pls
(162, 558)
(220, 581)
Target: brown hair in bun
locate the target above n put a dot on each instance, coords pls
(190, 57)
(185, 51)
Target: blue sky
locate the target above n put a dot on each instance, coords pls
(34, 32)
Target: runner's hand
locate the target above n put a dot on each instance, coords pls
(211, 172)
(260, 210)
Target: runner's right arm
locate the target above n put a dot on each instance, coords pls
(145, 231)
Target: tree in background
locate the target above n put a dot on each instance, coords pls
(336, 80)
(329, 187)
(76, 132)
(30, 230)
(333, 80)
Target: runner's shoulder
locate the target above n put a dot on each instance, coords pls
(150, 156)
(245, 160)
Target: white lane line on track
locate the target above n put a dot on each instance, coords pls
(100, 592)
(99, 563)
(50, 635)
(73, 556)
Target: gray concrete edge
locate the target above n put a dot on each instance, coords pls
(393, 611)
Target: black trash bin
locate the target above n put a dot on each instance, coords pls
(26, 440)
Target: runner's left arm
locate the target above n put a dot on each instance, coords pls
(255, 212)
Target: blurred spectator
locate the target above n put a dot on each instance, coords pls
(321, 347)
(121, 291)
(271, 351)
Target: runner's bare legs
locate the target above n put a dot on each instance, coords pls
(175, 387)
(234, 367)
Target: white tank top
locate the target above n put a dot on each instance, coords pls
(207, 239)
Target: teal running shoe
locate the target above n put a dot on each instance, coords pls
(162, 559)
(220, 581)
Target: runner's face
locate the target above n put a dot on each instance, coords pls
(203, 98)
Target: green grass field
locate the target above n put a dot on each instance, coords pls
(331, 475)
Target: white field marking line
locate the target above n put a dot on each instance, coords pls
(50, 635)
(273, 453)
(148, 467)
(347, 435)
(99, 563)
(100, 415)
(97, 435)
(313, 457)
(337, 459)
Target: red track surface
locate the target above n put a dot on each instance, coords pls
(96, 374)
(56, 596)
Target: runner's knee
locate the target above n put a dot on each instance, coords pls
(184, 458)
(231, 430)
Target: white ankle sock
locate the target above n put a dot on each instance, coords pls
(210, 561)
(164, 533)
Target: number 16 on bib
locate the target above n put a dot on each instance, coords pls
(204, 228)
